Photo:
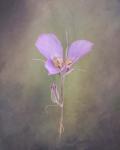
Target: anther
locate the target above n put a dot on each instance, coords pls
(58, 62)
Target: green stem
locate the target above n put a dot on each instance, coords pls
(61, 127)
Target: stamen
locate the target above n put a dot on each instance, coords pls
(58, 62)
(68, 62)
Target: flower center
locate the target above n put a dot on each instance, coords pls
(68, 62)
(59, 63)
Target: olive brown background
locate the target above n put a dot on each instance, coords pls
(92, 98)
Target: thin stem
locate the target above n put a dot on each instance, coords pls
(61, 127)
(67, 43)
(38, 59)
(46, 108)
(78, 69)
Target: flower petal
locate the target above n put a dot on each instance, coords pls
(49, 46)
(51, 68)
(78, 49)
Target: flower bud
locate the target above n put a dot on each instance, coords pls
(54, 93)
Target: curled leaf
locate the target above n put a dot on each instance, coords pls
(55, 98)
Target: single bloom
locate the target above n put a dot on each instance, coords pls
(50, 47)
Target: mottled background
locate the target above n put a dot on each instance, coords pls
(92, 98)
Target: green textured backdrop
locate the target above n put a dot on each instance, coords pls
(92, 98)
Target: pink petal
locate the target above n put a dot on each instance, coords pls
(49, 46)
(51, 68)
(78, 49)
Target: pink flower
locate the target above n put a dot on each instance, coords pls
(50, 47)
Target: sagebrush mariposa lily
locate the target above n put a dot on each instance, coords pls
(58, 63)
